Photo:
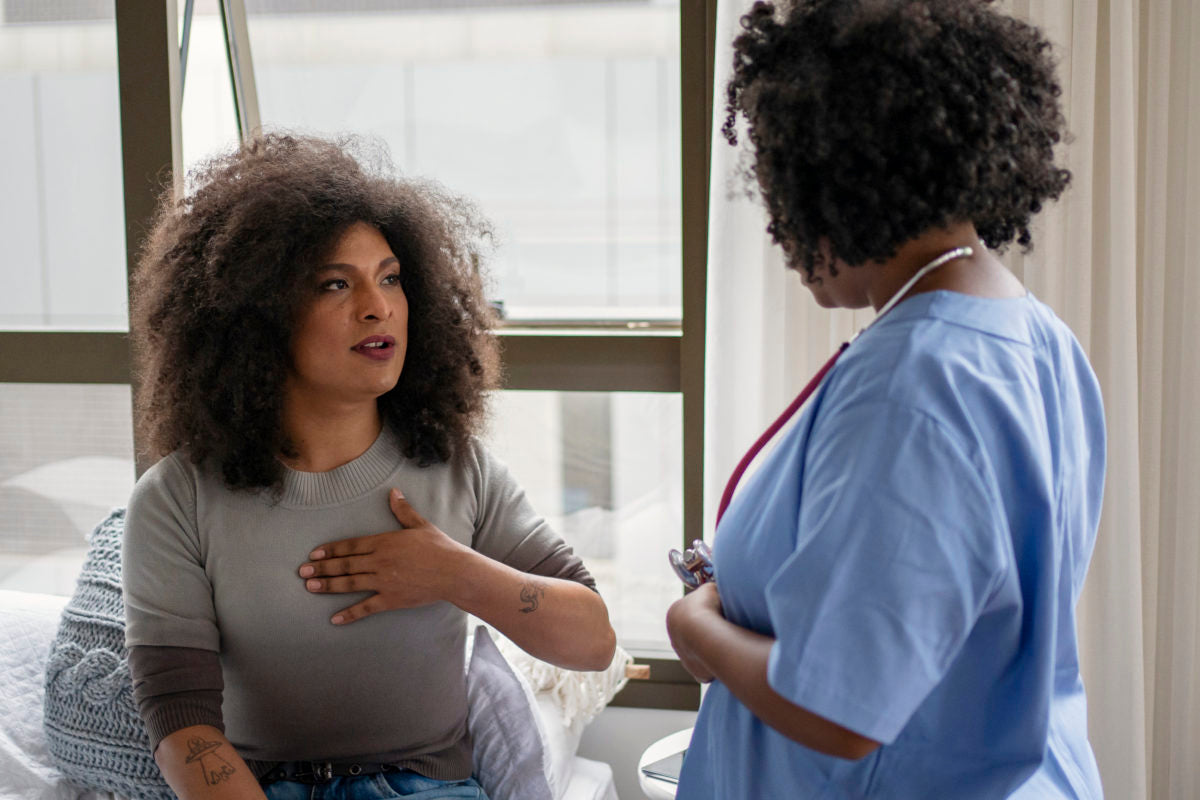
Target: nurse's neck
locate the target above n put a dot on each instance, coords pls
(327, 434)
(981, 274)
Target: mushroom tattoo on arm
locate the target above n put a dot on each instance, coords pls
(531, 594)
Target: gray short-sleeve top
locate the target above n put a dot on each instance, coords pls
(214, 569)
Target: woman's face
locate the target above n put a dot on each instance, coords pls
(847, 289)
(349, 341)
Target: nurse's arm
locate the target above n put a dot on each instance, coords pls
(712, 648)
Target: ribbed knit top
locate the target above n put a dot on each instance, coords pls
(348, 482)
(216, 570)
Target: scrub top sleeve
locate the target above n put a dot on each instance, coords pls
(168, 595)
(898, 546)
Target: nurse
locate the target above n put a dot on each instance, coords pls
(893, 610)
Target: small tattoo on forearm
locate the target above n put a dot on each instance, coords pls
(531, 594)
(214, 766)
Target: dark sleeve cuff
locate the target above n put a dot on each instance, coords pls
(175, 688)
(163, 716)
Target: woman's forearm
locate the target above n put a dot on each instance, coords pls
(199, 763)
(556, 620)
(738, 658)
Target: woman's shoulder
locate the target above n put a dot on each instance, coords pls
(985, 341)
(167, 470)
(163, 502)
(477, 458)
(943, 356)
(489, 476)
(172, 480)
(934, 335)
(178, 466)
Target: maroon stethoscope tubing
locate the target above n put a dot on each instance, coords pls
(727, 495)
(787, 414)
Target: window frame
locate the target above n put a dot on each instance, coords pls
(537, 358)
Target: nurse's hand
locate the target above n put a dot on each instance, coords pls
(687, 619)
(405, 568)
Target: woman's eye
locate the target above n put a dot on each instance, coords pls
(392, 280)
(332, 284)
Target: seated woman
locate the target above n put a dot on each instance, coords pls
(314, 351)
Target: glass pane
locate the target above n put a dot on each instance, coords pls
(61, 213)
(207, 119)
(560, 118)
(66, 459)
(606, 471)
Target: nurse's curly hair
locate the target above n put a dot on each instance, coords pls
(873, 121)
(227, 267)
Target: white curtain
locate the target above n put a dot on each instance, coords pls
(1119, 259)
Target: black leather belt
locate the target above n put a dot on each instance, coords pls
(321, 771)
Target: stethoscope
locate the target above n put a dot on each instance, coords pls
(694, 566)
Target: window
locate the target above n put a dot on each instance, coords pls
(66, 447)
(60, 211)
(560, 119)
(605, 469)
(581, 129)
(66, 459)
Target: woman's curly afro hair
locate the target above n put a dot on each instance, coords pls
(873, 121)
(227, 267)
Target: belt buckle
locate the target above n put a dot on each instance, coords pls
(322, 771)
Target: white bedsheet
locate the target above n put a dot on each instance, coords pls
(27, 625)
(590, 780)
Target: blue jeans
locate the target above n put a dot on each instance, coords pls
(383, 786)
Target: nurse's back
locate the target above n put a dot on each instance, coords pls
(1009, 382)
(915, 546)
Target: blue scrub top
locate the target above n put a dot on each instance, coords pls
(915, 544)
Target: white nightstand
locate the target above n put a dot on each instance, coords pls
(656, 788)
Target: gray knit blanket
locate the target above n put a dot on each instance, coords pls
(93, 729)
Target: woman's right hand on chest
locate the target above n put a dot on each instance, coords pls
(414, 566)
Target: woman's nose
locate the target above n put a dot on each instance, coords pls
(372, 304)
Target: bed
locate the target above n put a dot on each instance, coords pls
(28, 622)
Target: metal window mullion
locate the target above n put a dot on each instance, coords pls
(697, 38)
(151, 149)
(241, 67)
(185, 40)
(581, 362)
(64, 357)
(563, 362)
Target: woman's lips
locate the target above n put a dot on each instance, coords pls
(379, 348)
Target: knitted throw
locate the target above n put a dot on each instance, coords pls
(93, 729)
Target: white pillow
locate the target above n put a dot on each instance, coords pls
(578, 696)
(512, 761)
(513, 696)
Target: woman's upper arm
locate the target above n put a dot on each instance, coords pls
(167, 592)
(175, 688)
(509, 530)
